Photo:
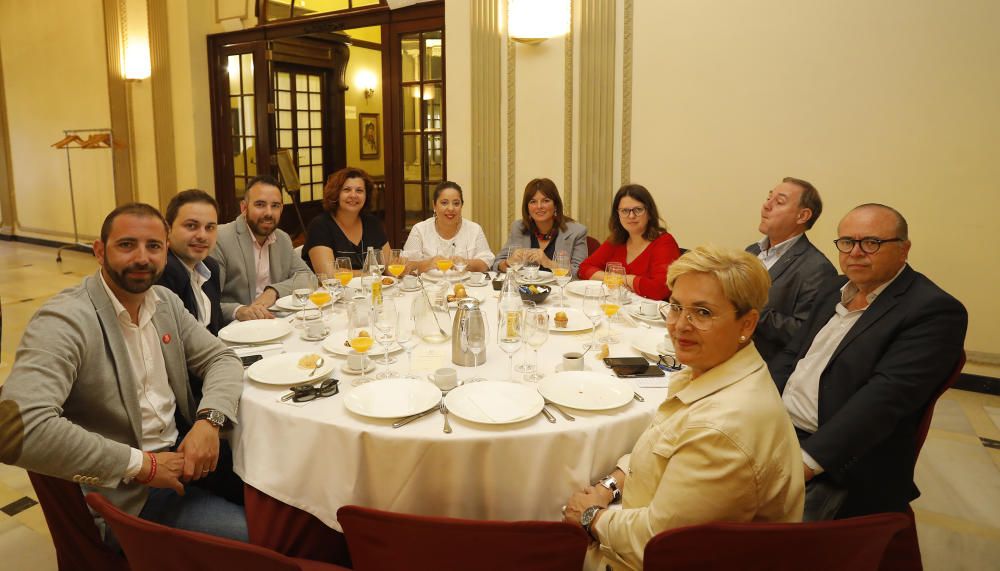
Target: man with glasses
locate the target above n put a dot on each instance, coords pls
(256, 258)
(856, 381)
(796, 267)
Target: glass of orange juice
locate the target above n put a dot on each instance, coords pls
(443, 264)
(560, 269)
(343, 272)
(396, 266)
(610, 307)
(359, 334)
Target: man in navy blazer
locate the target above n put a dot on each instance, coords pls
(857, 379)
(193, 216)
(796, 267)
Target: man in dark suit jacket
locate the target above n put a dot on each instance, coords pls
(859, 376)
(797, 268)
(193, 216)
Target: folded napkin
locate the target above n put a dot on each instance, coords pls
(495, 404)
(245, 350)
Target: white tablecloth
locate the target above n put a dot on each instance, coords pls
(320, 456)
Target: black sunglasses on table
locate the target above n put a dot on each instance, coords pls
(308, 392)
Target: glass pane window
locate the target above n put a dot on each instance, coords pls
(299, 122)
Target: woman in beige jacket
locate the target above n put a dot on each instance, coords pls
(721, 446)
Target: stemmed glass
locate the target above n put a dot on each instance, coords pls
(593, 298)
(460, 262)
(516, 260)
(474, 339)
(406, 332)
(303, 284)
(526, 366)
(378, 263)
(397, 265)
(386, 324)
(331, 285)
(444, 261)
(536, 333)
(344, 273)
(509, 335)
(560, 269)
(359, 323)
(321, 295)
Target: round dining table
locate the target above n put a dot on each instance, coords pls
(319, 456)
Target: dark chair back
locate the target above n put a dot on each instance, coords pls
(150, 546)
(277, 526)
(380, 540)
(592, 245)
(857, 544)
(925, 420)
(75, 536)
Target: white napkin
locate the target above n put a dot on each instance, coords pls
(495, 405)
(244, 350)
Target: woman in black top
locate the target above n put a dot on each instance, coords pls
(347, 229)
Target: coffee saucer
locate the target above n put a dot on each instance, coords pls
(349, 371)
(305, 337)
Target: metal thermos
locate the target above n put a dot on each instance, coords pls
(469, 317)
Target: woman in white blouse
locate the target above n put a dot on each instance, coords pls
(447, 234)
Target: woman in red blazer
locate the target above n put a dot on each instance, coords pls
(638, 241)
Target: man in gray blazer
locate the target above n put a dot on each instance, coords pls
(256, 259)
(797, 268)
(99, 389)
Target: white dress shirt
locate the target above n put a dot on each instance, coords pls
(470, 242)
(770, 254)
(801, 394)
(199, 275)
(156, 400)
(262, 257)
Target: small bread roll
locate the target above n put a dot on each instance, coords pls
(309, 361)
(460, 291)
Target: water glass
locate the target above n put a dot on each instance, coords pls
(536, 333)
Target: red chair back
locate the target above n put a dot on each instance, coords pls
(904, 550)
(925, 421)
(150, 546)
(857, 544)
(381, 540)
(592, 245)
(277, 526)
(75, 536)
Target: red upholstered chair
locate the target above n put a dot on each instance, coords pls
(380, 541)
(150, 546)
(592, 245)
(77, 540)
(904, 550)
(277, 526)
(855, 544)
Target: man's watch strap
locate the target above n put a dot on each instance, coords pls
(214, 417)
(587, 518)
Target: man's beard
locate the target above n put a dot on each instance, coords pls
(133, 285)
(257, 230)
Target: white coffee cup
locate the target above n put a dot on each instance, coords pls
(410, 282)
(355, 360)
(649, 308)
(445, 378)
(572, 361)
(477, 279)
(530, 273)
(315, 328)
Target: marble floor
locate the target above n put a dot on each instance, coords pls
(958, 515)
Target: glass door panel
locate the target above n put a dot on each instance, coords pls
(299, 110)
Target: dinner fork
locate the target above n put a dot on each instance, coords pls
(444, 411)
(564, 414)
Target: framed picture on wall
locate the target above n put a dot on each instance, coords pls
(368, 135)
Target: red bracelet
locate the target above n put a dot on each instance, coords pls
(152, 469)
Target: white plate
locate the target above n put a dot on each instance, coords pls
(356, 282)
(633, 310)
(436, 274)
(584, 390)
(284, 369)
(579, 287)
(392, 398)
(494, 402)
(288, 303)
(255, 331)
(335, 344)
(577, 320)
(652, 345)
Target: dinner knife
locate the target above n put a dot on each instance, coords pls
(411, 418)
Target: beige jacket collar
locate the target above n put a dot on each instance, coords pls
(745, 362)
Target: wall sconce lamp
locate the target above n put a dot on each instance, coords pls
(137, 64)
(366, 81)
(534, 21)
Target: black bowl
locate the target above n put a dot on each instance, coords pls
(538, 296)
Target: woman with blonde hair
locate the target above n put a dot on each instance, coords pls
(721, 446)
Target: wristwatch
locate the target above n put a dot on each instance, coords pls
(214, 417)
(611, 484)
(588, 517)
